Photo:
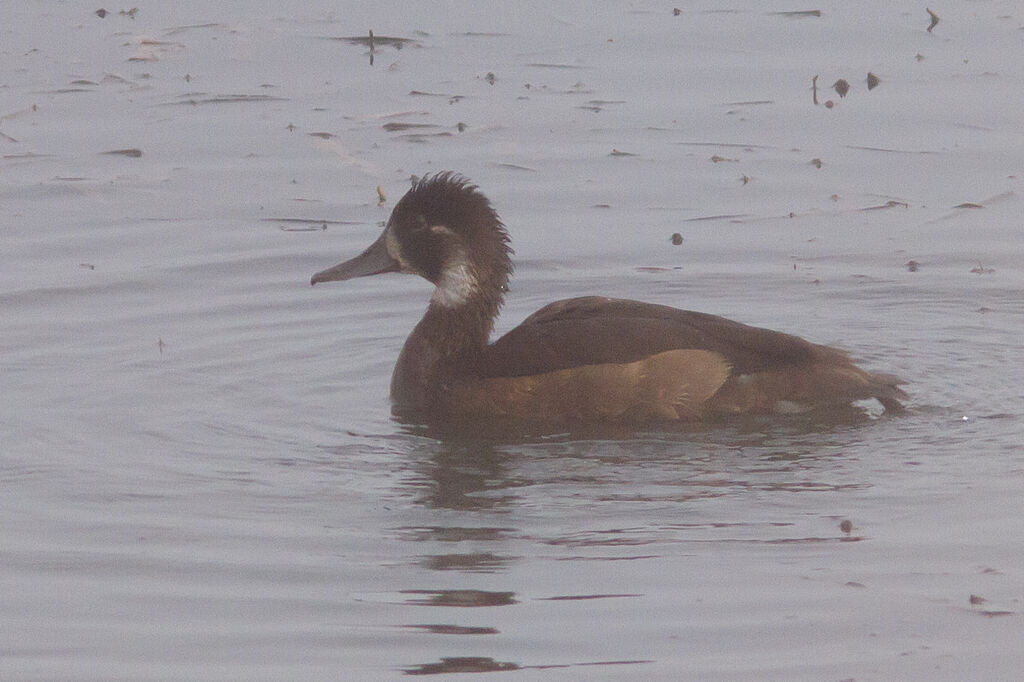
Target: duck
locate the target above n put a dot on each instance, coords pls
(590, 359)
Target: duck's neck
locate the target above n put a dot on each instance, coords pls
(447, 343)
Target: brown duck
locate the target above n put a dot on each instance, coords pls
(589, 359)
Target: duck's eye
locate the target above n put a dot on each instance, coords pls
(419, 224)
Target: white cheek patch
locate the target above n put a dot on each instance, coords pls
(458, 283)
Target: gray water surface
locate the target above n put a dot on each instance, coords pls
(200, 476)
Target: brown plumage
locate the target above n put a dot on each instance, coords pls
(583, 359)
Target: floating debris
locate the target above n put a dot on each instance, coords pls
(846, 525)
(912, 265)
(160, 345)
(734, 217)
(816, 162)
(461, 127)
(545, 65)
(398, 126)
(490, 78)
(133, 153)
(376, 41)
(814, 89)
(829, 104)
(968, 204)
(443, 629)
(616, 152)
(982, 270)
(311, 228)
(224, 99)
(381, 197)
(892, 203)
(677, 239)
(87, 266)
(101, 13)
(976, 599)
(452, 99)
(800, 13)
(873, 81)
(719, 159)
(744, 179)
(935, 19)
(461, 664)
(323, 136)
(841, 87)
(315, 224)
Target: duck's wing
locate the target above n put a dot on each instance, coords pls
(594, 330)
(721, 366)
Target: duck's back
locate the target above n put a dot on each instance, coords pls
(667, 360)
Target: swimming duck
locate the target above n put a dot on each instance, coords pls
(589, 359)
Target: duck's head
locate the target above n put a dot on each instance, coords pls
(445, 230)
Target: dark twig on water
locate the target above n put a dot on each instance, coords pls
(935, 19)
(814, 89)
(371, 48)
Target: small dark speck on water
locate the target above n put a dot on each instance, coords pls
(842, 87)
(490, 78)
(677, 239)
(101, 13)
(873, 81)
(676, 12)
(912, 265)
(160, 345)
(616, 152)
(977, 599)
(846, 526)
(87, 266)
(816, 163)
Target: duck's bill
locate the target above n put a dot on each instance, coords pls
(373, 261)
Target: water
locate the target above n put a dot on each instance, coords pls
(200, 476)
